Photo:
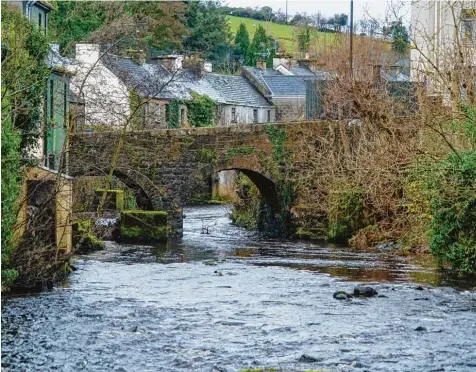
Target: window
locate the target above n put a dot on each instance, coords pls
(255, 115)
(182, 117)
(40, 24)
(233, 115)
(269, 116)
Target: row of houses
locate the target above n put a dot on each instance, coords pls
(258, 95)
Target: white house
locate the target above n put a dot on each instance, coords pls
(444, 40)
(111, 85)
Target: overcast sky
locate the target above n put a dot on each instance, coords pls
(376, 8)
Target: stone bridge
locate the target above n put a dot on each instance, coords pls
(168, 168)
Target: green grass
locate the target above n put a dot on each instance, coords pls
(285, 34)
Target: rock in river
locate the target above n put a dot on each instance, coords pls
(341, 295)
(364, 291)
(306, 358)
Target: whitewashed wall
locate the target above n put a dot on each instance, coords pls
(434, 36)
(106, 97)
(244, 114)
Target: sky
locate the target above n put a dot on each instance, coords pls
(376, 8)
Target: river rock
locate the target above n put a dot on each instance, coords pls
(306, 358)
(364, 291)
(420, 329)
(341, 295)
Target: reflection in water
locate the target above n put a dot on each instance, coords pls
(161, 308)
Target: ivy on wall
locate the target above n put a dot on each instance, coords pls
(173, 114)
(11, 184)
(201, 111)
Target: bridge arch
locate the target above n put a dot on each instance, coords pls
(265, 185)
(142, 195)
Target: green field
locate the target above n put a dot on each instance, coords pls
(285, 34)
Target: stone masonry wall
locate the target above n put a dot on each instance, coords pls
(290, 109)
(164, 167)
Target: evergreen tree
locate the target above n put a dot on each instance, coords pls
(242, 42)
(209, 31)
(260, 45)
(400, 37)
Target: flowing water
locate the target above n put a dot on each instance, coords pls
(229, 300)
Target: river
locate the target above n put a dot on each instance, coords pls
(229, 300)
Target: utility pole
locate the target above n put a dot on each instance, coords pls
(351, 37)
(286, 11)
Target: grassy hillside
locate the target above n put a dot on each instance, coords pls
(284, 33)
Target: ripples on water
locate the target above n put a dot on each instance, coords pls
(265, 303)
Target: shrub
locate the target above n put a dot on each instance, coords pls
(453, 204)
(11, 183)
(453, 211)
(345, 211)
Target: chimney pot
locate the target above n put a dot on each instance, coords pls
(304, 63)
(172, 62)
(261, 64)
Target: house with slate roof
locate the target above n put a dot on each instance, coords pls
(111, 83)
(239, 102)
(285, 87)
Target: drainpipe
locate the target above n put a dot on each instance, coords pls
(28, 9)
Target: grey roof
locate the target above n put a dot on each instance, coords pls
(394, 76)
(259, 73)
(301, 71)
(229, 89)
(280, 85)
(286, 86)
(130, 73)
(153, 80)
